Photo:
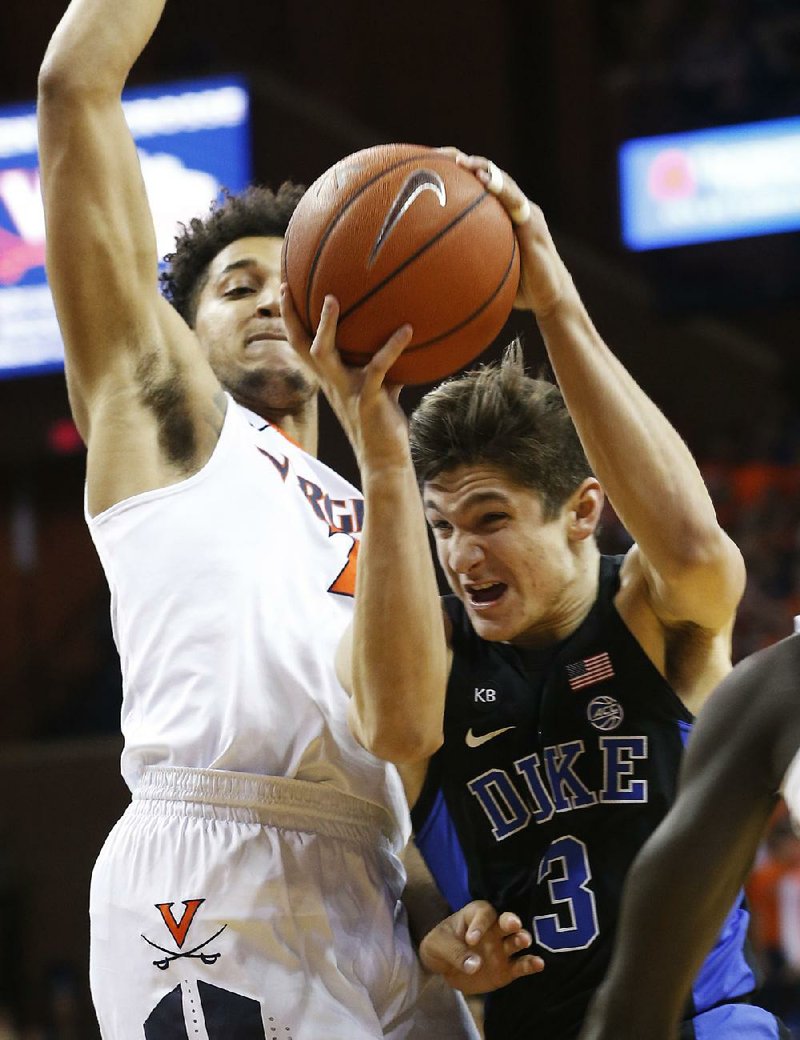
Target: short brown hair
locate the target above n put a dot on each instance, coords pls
(499, 415)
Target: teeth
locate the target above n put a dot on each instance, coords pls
(481, 587)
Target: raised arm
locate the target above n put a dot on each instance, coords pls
(394, 660)
(122, 340)
(687, 876)
(693, 571)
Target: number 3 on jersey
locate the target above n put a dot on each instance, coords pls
(573, 926)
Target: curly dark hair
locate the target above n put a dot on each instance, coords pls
(499, 415)
(255, 211)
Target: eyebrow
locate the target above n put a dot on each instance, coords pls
(475, 498)
(238, 265)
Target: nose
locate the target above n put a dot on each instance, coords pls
(268, 303)
(464, 552)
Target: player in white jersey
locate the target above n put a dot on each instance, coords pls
(743, 751)
(251, 890)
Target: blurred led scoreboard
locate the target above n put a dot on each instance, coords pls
(193, 139)
(710, 185)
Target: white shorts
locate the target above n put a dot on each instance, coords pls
(226, 906)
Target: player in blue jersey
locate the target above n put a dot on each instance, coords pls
(555, 692)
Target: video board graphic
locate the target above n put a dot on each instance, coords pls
(193, 139)
(710, 185)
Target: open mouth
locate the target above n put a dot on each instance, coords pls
(486, 593)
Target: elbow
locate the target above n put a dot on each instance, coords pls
(709, 557)
(401, 743)
(57, 79)
(702, 546)
(66, 78)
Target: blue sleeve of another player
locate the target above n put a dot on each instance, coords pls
(726, 972)
(439, 846)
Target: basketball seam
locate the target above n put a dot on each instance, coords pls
(415, 256)
(329, 229)
(347, 354)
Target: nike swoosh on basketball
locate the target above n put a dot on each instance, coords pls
(474, 741)
(416, 183)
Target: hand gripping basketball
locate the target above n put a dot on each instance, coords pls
(544, 279)
(403, 234)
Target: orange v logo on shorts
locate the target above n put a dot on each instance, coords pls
(179, 929)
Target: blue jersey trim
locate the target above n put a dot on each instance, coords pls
(438, 842)
(736, 1022)
(725, 972)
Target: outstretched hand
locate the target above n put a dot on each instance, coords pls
(544, 279)
(365, 404)
(474, 949)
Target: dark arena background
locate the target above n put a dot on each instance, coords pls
(550, 89)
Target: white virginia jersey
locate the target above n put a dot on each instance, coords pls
(229, 593)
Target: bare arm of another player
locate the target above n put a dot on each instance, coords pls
(119, 333)
(394, 659)
(686, 877)
(692, 570)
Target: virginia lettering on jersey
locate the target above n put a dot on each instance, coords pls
(340, 515)
(343, 516)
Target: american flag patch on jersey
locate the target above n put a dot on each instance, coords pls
(589, 671)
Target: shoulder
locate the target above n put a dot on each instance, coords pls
(691, 656)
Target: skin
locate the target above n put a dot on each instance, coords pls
(679, 584)
(240, 329)
(490, 531)
(145, 389)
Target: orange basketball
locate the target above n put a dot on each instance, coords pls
(400, 233)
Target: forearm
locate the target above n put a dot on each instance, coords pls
(638, 457)
(688, 874)
(96, 44)
(425, 906)
(687, 877)
(101, 243)
(399, 654)
(666, 930)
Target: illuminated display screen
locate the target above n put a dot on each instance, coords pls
(193, 139)
(710, 185)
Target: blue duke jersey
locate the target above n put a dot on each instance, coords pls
(557, 764)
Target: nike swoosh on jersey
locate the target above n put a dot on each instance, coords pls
(474, 741)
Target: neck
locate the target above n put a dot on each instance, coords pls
(301, 424)
(303, 428)
(573, 606)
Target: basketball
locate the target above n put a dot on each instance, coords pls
(401, 233)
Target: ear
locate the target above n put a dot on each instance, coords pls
(584, 509)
